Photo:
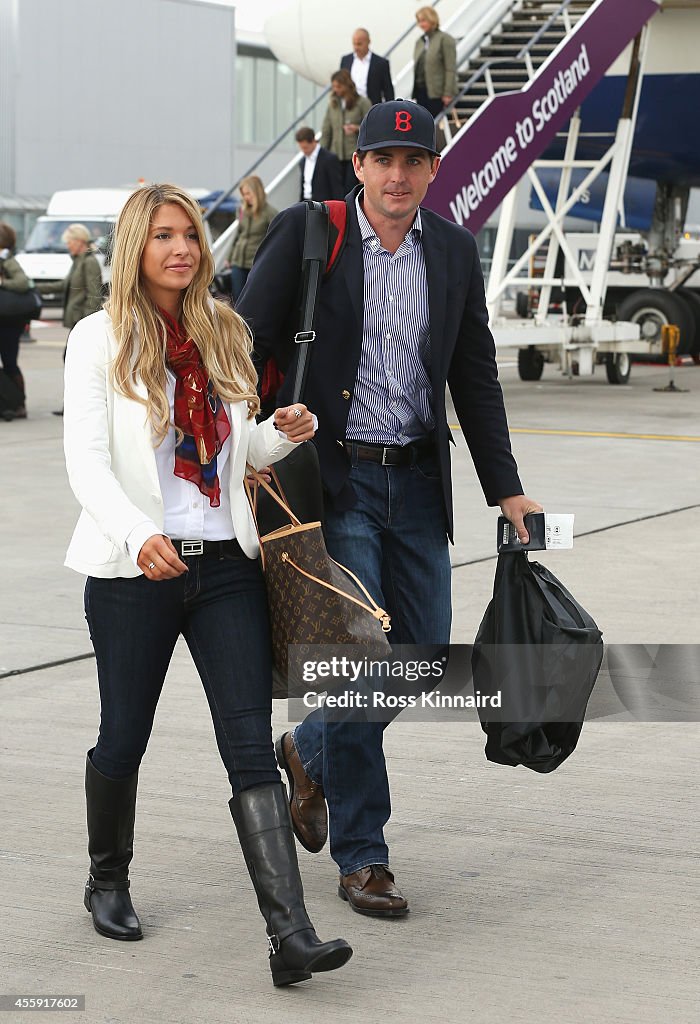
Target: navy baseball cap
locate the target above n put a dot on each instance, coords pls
(397, 123)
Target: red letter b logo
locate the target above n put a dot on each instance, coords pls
(403, 121)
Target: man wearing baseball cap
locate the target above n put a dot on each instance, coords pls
(401, 316)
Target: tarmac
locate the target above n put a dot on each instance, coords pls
(565, 897)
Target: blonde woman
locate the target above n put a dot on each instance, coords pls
(435, 63)
(254, 218)
(82, 287)
(341, 123)
(160, 406)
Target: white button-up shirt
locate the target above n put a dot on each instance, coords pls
(309, 168)
(360, 71)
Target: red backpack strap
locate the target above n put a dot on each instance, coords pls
(270, 383)
(338, 215)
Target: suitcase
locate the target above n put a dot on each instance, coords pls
(11, 397)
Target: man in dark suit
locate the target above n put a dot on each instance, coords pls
(370, 73)
(401, 316)
(321, 173)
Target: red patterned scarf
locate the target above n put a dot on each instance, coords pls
(198, 413)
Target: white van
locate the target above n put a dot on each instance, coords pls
(45, 257)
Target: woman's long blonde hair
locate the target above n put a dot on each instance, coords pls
(221, 336)
(254, 183)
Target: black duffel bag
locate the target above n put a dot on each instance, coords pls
(20, 305)
(536, 658)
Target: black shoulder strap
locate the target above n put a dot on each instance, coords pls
(313, 267)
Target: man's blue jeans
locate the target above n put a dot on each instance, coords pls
(394, 539)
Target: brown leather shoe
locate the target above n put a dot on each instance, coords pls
(371, 891)
(306, 800)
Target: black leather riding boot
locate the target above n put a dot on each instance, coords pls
(264, 827)
(111, 809)
(21, 411)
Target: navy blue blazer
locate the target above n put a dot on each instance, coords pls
(379, 85)
(327, 180)
(462, 351)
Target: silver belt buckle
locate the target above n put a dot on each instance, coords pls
(385, 449)
(192, 547)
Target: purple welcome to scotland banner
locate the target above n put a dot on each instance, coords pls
(514, 129)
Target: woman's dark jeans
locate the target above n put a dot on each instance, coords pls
(220, 607)
(10, 333)
(435, 106)
(239, 276)
(348, 174)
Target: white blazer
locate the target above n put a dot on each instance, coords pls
(111, 461)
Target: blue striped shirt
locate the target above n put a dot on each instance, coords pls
(393, 395)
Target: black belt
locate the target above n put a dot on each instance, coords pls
(391, 454)
(220, 548)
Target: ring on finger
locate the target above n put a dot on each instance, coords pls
(297, 413)
(151, 565)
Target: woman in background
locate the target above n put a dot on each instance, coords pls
(82, 286)
(13, 279)
(254, 218)
(435, 63)
(345, 111)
